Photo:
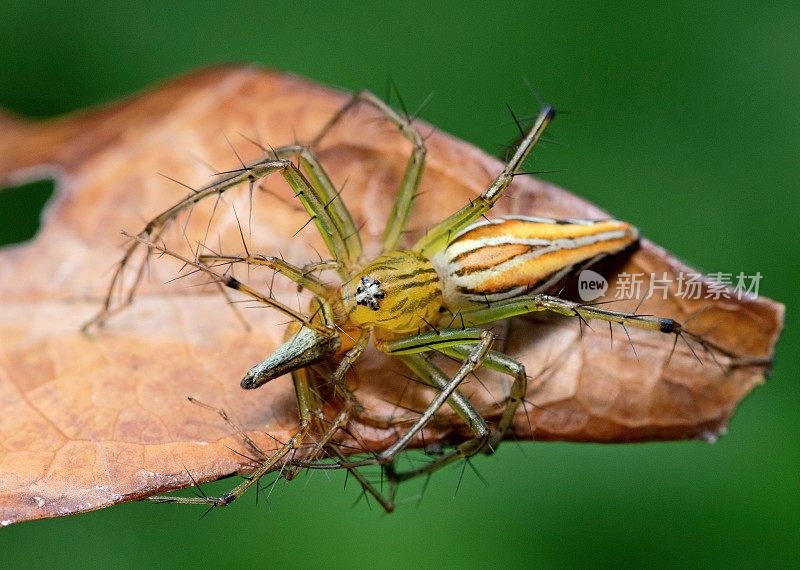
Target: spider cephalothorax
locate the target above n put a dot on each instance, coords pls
(399, 292)
(465, 272)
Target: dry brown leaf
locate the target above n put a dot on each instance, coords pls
(89, 422)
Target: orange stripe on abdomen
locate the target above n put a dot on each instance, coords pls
(489, 256)
(534, 271)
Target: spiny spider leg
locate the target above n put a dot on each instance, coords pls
(300, 276)
(155, 227)
(237, 285)
(266, 467)
(499, 310)
(330, 198)
(316, 194)
(386, 500)
(470, 363)
(438, 340)
(310, 415)
(398, 219)
(432, 374)
(437, 237)
(499, 362)
(239, 431)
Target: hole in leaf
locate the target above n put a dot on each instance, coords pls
(21, 209)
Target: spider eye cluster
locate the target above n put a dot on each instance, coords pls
(369, 293)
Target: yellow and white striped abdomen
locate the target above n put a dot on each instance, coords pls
(512, 256)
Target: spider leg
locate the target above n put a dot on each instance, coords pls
(310, 414)
(266, 467)
(398, 219)
(505, 364)
(155, 227)
(315, 193)
(408, 350)
(426, 342)
(236, 285)
(431, 373)
(455, 343)
(385, 500)
(438, 236)
(302, 277)
(329, 197)
(478, 315)
(226, 418)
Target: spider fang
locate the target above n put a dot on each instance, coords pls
(369, 292)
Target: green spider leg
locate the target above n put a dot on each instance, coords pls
(337, 380)
(409, 350)
(437, 237)
(504, 364)
(475, 316)
(324, 198)
(476, 344)
(314, 191)
(304, 276)
(154, 229)
(447, 392)
(409, 184)
(265, 467)
(311, 413)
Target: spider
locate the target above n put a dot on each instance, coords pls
(466, 271)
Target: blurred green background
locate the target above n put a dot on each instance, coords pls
(683, 120)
